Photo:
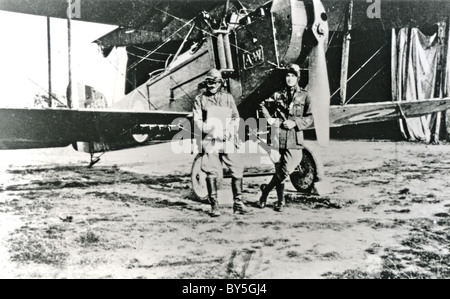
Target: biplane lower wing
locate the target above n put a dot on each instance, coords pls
(39, 128)
(384, 111)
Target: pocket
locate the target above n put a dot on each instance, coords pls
(299, 137)
(297, 110)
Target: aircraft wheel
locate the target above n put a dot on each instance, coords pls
(140, 138)
(198, 179)
(305, 175)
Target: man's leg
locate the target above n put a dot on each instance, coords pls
(211, 165)
(277, 179)
(237, 172)
(289, 161)
(265, 189)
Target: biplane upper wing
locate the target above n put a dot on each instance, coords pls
(125, 13)
(33, 128)
(384, 111)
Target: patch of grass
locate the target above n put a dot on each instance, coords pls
(214, 230)
(37, 248)
(188, 239)
(443, 215)
(373, 249)
(331, 255)
(92, 261)
(88, 238)
(271, 224)
(164, 230)
(269, 242)
(220, 241)
(241, 223)
(424, 256)
(403, 211)
(199, 252)
(348, 274)
(54, 231)
(366, 208)
(292, 254)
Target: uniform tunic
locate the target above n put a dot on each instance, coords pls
(288, 104)
(212, 160)
(292, 105)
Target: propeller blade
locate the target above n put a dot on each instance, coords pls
(319, 88)
(319, 91)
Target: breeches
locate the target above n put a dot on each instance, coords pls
(289, 160)
(212, 165)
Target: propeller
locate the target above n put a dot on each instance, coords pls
(319, 88)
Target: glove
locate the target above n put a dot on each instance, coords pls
(289, 124)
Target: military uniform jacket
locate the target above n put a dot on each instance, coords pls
(293, 104)
(221, 99)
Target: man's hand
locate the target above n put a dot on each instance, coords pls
(288, 124)
(227, 136)
(274, 122)
(208, 128)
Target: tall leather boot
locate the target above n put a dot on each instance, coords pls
(211, 184)
(280, 194)
(265, 189)
(236, 187)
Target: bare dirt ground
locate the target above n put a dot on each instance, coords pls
(134, 216)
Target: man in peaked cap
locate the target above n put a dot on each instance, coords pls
(288, 112)
(215, 99)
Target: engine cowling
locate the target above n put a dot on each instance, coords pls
(272, 37)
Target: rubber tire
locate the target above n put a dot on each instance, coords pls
(198, 179)
(305, 175)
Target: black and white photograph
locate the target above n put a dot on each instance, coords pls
(224, 139)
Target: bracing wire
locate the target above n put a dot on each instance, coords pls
(202, 30)
(149, 53)
(361, 68)
(47, 92)
(368, 81)
(146, 51)
(148, 59)
(161, 45)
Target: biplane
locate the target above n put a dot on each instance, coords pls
(250, 42)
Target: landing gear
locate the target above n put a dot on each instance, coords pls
(95, 159)
(306, 173)
(198, 179)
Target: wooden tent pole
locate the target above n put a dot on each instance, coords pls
(440, 76)
(445, 80)
(346, 52)
(69, 42)
(394, 65)
(49, 49)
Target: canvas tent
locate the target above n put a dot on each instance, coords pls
(400, 56)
